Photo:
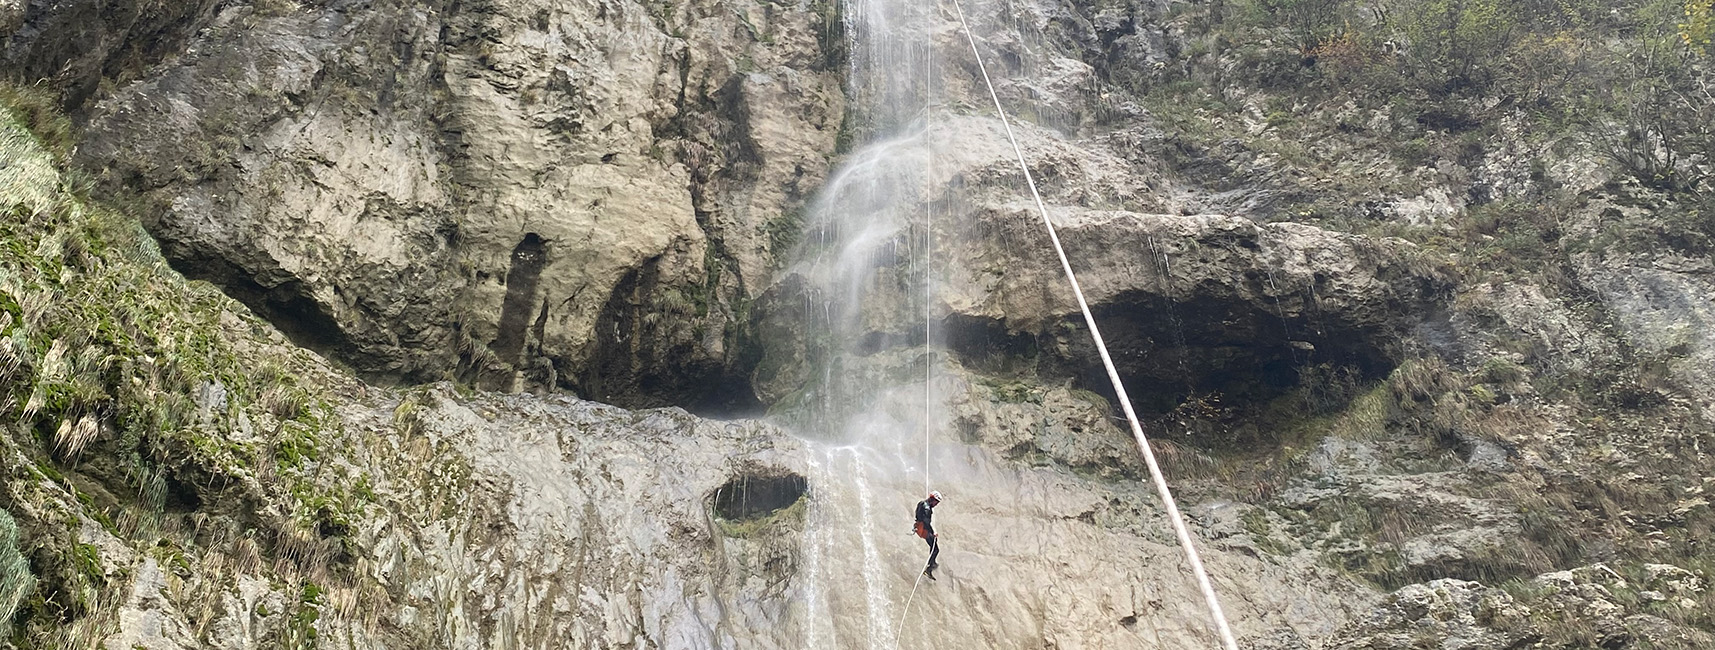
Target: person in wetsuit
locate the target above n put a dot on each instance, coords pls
(925, 529)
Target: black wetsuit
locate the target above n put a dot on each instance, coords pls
(925, 513)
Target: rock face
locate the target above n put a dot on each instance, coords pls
(1441, 614)
(78, 44)
(1580, 607)
(1193, 304)
(514, 521)
(586, 194)
(601, 196)
(1189, 304)
(1662, 295)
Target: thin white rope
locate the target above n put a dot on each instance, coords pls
(928, 292)
(899, 630)
(928, 259)
(1179, 529)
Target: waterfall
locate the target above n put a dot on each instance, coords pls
(865, 266)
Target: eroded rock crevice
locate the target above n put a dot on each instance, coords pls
(522, 279)
(754, 495)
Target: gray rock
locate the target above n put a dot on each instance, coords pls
(1188, 304)
(1662, 300)
(1444, 614)
(598, 186)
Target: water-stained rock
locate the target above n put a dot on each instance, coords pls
(1188, 304)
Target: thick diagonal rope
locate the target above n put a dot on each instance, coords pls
(1179, 529)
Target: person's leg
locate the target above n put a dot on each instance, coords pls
(934, 549)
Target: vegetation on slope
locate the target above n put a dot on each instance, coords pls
(1495, 118)
(139, 409)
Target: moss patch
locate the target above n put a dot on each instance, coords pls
(789, 518)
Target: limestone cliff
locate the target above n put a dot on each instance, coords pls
(1415, 298)
(556, 194)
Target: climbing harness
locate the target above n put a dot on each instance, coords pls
(1179, 529)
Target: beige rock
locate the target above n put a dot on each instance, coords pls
(579, 191)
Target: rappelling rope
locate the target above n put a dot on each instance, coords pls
(899, 630)
(928, 260)
(1178, 520)
(928, 293)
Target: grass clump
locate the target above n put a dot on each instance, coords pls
(16, 581)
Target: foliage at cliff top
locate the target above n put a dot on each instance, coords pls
(1353, 102)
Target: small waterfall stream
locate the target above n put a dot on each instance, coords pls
(876, 413)
(865, 262)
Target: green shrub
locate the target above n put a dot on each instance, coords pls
(1698, 30)
(1311, 21)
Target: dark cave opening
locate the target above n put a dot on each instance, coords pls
(754, 496)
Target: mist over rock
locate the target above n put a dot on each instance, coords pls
(1189, 304)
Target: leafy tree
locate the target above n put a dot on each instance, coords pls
(1311, 21)
(1454, 41)
(1698, 30)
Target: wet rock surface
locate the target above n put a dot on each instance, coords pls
(517, 521)
(1188, 304)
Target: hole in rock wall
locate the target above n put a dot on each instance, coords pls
(179, 496)
(754, 496)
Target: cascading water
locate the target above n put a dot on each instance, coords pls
(865, 264)
(869, 407)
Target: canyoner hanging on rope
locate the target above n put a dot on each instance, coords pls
(925, 528)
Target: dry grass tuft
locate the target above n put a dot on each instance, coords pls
(1182, 460)
(71, 438)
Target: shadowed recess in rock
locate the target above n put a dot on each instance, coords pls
(628, 368)
(287, 305)
(751, 496)
(528, 258)
(1170, 349)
